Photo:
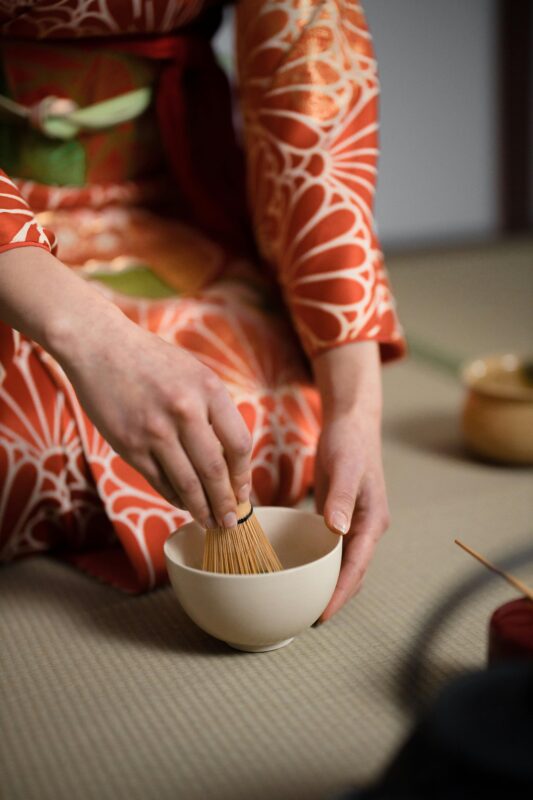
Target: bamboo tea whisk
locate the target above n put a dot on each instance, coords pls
(241, 550)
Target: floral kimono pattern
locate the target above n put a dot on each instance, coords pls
(251, 244)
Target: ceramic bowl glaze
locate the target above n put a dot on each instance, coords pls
(258, 613)
(498, 413)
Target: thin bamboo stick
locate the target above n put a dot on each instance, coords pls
(516, 582)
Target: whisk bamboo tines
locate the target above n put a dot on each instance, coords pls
(241, 550)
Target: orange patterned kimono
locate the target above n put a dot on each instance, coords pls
(249, 244)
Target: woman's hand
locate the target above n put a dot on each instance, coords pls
(167, 415)
(163, 411)
(349, 480)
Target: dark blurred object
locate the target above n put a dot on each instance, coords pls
(415, 675)
(511, 633)
(476, 741)
(516, 113)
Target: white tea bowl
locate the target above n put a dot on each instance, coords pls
(262, 612)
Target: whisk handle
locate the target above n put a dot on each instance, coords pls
(244, 512)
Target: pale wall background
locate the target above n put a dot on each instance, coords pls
(438, 168)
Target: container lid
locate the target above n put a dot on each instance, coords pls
(508, 376)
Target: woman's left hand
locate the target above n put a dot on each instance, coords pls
(349, 480)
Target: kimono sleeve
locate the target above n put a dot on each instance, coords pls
(18, 226)
(308, 89)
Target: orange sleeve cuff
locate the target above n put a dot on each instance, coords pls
(18, 225)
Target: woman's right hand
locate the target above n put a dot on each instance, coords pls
(164, 412)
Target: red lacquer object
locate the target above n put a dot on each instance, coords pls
(511, 631)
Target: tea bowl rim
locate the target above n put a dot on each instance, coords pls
(256, 577)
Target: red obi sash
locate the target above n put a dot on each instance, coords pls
(194, 111)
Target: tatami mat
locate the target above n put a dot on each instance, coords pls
(469, 302)
(109, 697)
